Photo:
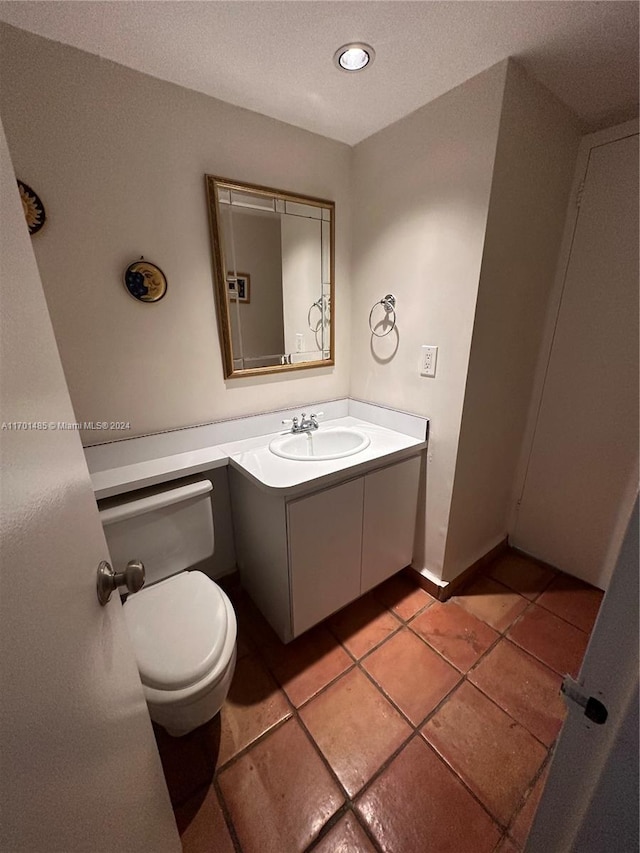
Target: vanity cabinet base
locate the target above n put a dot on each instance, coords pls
(303, 559)
(389, 521)
(260, 531)
(325, 548)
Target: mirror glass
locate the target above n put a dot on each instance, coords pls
(273, 263)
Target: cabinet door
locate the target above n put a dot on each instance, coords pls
(325, 544)
(390, 504)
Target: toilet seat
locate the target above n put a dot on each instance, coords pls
(183, 632)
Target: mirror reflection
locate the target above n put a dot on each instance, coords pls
(273, 262)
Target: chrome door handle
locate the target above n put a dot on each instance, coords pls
(108, 580)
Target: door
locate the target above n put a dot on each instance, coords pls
(80, 770)
(583, 467)
(590, 802)
(389, 524)
(325, 547)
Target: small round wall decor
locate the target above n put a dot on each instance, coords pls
(145, 281)
(33, 208)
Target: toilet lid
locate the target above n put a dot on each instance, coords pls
(178, 628)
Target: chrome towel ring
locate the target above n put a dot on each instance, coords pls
(389, 305)
(322, 305)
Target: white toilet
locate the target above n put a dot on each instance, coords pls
(182, 625)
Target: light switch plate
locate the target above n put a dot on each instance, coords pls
(428, 358)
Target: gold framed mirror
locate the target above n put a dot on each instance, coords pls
(273, 266)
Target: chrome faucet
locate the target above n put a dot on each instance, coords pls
(303, 424)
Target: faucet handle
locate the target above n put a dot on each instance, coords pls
(318, 415)
(293, 421)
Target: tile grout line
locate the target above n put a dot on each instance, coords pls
(295, 715)
(416, 729)
(532, 653)
(258, 740)
(525, 797)
(227, 815)
(357, 663)
(498, 823)
(536, 600)
(397, 708)
(502, 635)
(463, 678)
(348, 803)
(335, 819)
(343, 811)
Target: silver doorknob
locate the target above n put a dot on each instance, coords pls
(108, 580)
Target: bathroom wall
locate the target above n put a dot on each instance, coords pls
(421, 200)
(459, 211)
(537, 148)
(118, 159)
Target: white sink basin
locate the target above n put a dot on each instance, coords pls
(320, 445)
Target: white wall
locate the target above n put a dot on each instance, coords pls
(537, 147)
(118, 159)
(421, 199)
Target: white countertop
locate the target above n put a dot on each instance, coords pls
(273, 473)
(124, 466)
(137, 475)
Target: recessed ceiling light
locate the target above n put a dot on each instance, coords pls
(354, 57)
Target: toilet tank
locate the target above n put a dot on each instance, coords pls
(169, 530)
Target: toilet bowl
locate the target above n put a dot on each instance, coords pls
(182, 625)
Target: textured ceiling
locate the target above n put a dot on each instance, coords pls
(277, 57)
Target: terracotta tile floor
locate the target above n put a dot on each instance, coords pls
(400, 724)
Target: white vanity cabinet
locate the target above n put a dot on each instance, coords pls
(303, 558)
(389, 521)
(325, 548)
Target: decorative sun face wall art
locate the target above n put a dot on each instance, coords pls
(33, 208)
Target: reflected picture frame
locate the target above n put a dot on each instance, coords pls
(239, 287)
